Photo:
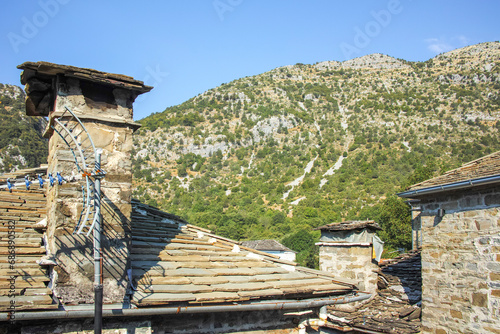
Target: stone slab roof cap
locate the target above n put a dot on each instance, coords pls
(266, 245)
(50, 69)
(350, 225)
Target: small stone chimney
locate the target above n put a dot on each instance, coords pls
(103, 103)
(349, 250)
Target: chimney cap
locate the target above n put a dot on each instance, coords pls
(351, 225)
(46, 69)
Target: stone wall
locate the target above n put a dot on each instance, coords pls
(256, 322)
(107, 116)
(353, 262)
(461, 262)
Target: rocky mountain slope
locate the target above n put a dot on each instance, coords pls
(277, 154)
(21, 142)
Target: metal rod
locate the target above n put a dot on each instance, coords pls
(257, 306)
(98, 287)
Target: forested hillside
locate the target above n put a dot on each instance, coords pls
(21, 142)
(278, 154)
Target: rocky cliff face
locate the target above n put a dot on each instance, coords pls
(21, 142)
(336, 137)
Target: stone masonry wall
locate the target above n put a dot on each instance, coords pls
(461, 263)
(107, 119)
(255, 322)
(351, 262)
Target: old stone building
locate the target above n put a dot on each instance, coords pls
(161, 274)
(349, 248)
(460, 223)
(103, 104)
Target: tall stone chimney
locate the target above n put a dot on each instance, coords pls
(103, 103)
(349, 250)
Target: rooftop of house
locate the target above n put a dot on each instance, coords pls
(20, 211)
(266, 245)
(395, 308)
(351, 225)
(480, 171)
(173, 263)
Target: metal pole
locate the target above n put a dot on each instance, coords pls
(98, 289)
(141, 312)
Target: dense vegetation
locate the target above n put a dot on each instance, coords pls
(21, 142)
(225, 159)
(279, 154)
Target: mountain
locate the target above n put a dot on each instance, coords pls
(21, 142)
(277, 154)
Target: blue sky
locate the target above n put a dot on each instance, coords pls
(184, 48)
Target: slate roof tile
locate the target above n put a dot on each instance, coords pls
(212, 269)
(483, 167)
(19, 212)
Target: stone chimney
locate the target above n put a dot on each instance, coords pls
(103, 103)
(350, 250)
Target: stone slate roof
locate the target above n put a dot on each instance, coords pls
(20, 211)
(177, 263)
(480, 168)
(49, 69)
(266, 245)
(39, 79)
(396, 306)
(350, 225)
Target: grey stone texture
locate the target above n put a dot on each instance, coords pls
(461, 262)
(107, 116)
